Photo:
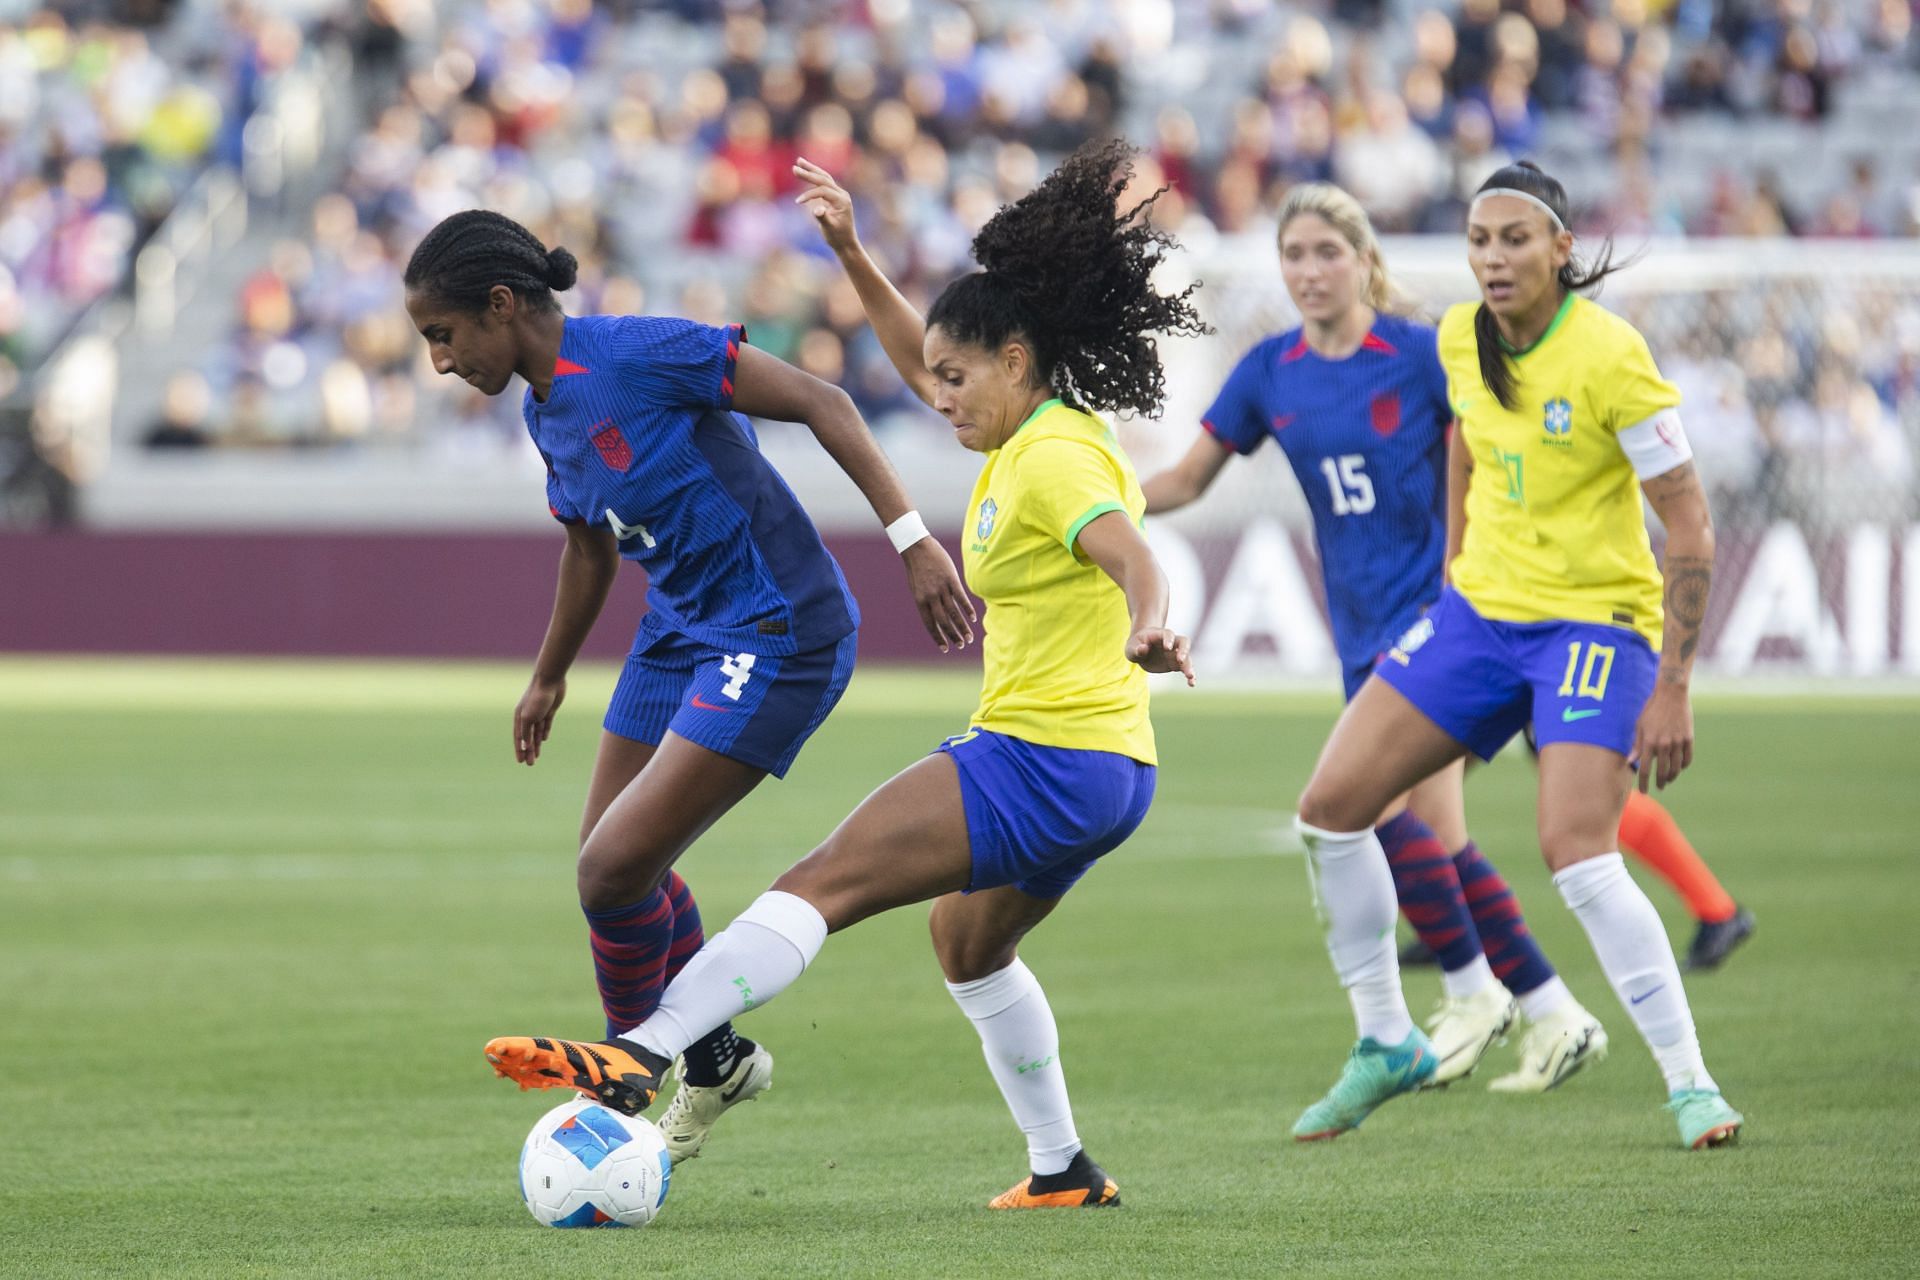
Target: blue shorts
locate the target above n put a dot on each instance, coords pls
(1354, 672)
(751, 708)
(1354, 675)
(1039, 817)
(1482, 680)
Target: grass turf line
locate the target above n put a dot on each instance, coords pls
(250, 952)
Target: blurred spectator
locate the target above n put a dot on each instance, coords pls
(1389, 165)
(99, 136)
(661, 153)
(1474, 54)
(185, 414)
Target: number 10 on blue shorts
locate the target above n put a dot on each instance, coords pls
(1482, 680)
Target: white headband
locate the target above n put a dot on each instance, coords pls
(1528, 196)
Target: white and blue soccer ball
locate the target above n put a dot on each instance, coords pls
(587, 1166)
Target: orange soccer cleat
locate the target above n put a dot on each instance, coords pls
(619, 1073)
(1082, 1185)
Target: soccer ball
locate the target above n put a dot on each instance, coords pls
(586, 1166)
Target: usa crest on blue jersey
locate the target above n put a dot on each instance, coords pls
(732, 560)
(1366, 438)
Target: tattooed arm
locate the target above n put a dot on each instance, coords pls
(1681, 504)
(1665, 738)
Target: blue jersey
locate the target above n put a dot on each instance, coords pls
(1366, 436)
(639, 438)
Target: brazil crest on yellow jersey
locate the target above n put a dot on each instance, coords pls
(1056, 626)
(1554, 523)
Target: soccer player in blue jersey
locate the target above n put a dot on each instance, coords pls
(1555, 612)
(749, 637)
(1356, 399)
(1057, 766)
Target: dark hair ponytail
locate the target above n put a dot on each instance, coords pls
(1496, 370)
(1071, 272)
(462, 258)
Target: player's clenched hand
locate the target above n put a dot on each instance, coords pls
(829, 203)
(944, 607)
(1159, 649)
(533, 718)
(1663, 739)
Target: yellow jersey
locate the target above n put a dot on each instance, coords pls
(1554, 525)
(1056, 671)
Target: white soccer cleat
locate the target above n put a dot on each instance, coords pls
(690, 1117)
(1465, 1028)
(1554, 1048)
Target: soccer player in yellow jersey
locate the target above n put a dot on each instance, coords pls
(1556, 613)
(1057, 766)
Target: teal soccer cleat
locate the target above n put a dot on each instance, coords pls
(1705, 1118)
(1374, 1073)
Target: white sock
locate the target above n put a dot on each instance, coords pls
(1468, 980)
(1638, 960)
(1022, 1045)
(1547, 998)
(756, 958)
(1355, 891)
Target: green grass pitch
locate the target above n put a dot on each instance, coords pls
(256, 921)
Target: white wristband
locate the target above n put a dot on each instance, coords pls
(906, 531)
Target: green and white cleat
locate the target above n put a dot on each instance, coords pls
(690, 1117)
(1464, 1029)
(1553, 1049)
(1705, 1118)
(1373, 1074)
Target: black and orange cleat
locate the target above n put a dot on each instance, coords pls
(619, 1073)
(1082, 1185)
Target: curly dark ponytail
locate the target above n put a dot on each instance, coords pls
(1069, 271)
(469, 253)
(1496, 369)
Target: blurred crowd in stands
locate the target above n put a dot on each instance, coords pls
(108, 112)
(655, 140)
(1802, 397)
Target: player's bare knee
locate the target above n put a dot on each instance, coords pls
(967, 954)
(1324, 807)
(823, 880)
(607, 879)
(1563, 843)
(599, 892)
(973, 959)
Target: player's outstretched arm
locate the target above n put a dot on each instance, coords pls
(901, 331)
(1664, 739)
(766, 386)
(1188, 478)
(1112, 542)
(587, 566)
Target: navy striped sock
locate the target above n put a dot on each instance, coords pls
(688, 937)
(630, 946)
(1516, 958)
(1428, 885)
